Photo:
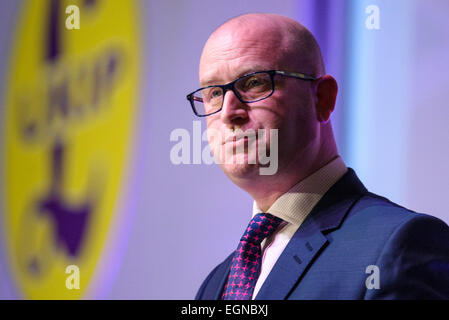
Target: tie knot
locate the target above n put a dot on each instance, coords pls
(261, 226)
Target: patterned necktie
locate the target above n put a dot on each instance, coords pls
(246, 264)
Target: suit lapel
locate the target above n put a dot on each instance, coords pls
(310, 239)
(223, 273)
(291, 265)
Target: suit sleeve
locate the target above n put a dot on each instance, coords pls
(414, 263)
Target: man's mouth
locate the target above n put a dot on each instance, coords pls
(236, 138)
(240, 136)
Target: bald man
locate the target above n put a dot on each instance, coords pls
(315, 231)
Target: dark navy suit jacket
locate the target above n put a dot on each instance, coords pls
(347, 231)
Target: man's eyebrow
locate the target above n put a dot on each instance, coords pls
(213, 81)
(208, 82)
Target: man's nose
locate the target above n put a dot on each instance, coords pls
(233, 109)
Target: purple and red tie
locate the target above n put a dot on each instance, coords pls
(246, 264)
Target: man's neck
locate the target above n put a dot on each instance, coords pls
(265, 190)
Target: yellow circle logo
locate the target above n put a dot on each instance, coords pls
(68, 122)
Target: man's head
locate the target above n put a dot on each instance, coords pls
(299, 109)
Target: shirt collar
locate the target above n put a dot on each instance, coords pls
(294, 205)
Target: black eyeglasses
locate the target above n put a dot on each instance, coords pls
(249, 88)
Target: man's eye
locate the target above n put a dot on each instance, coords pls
(215, 93)
(254, 82)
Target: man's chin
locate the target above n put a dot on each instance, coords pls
(237, 171)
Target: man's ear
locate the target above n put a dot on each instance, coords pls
(326, 93)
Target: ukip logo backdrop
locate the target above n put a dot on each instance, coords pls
(69, 111)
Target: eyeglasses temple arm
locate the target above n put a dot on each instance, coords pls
(296, 75)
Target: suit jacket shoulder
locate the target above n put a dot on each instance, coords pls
(355, 245)
(212, 286)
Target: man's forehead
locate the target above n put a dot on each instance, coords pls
(246, 34)
(253, 22)
(237, 54)
(213, 76)
(220, 69)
